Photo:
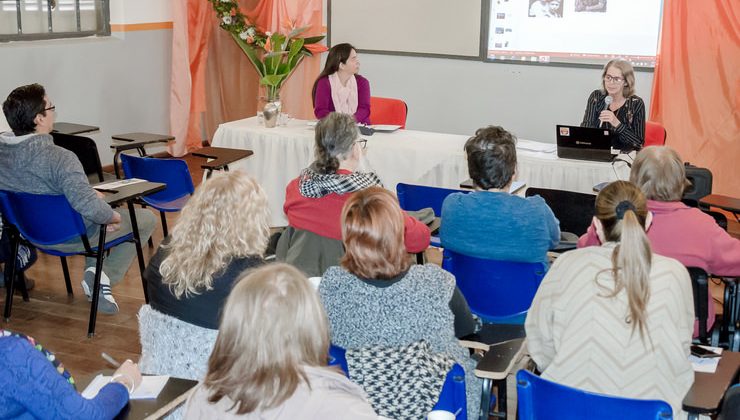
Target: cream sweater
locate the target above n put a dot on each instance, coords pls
(579, 337)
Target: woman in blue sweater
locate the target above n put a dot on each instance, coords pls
(34, 385)
(490, 223)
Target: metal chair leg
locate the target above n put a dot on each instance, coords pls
(22, 286)
(96, 284)
(139, 252)
(485, 400)
(10, 286)
(67, 280)
(162, 215)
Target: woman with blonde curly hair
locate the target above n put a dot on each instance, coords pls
(222, 231)
(269, 360)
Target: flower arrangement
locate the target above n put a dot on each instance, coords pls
(274, 55)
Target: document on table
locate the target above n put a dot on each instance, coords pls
(149, 388)
(535, 146)
(111, 186)
(706, 364)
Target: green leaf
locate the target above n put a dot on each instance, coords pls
(274, 80)
(295, 47)
(251, 54)
(312, 39)
(297, 31)
(278, 41)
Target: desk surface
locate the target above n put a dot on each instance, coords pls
(409, 156)
(143, 138)
(125, 193)
(174, 394)
(705, 395)
(72, 128)
(222, 156)
(722, 201)
(500, 359)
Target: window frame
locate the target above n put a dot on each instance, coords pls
(103, 16)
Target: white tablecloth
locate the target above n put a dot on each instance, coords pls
(414, 157)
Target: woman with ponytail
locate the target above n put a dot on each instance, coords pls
(314, 200)
(616, 319)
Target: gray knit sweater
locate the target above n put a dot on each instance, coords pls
(34, 164)
(415, 308)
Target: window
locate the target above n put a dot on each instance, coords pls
(25, 20)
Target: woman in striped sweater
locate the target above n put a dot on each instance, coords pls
(616, 107)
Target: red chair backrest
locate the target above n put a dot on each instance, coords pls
(388, 111)
(655, 134)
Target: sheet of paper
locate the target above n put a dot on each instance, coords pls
(706, 364)
(536, 146)
(385, 127)
(118, 184)
(149, 388)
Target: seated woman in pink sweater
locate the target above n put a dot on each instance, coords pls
(678, 231)
(339, 88)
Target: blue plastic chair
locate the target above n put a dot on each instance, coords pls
(172, 172)
(416, 197)
(46, 220)
(452, 397)
(539, 398)
(499, 292)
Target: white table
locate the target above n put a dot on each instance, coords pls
(414, 157)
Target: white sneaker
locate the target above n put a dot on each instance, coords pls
(106, 303)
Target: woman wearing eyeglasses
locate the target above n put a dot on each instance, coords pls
(314, 200)
(624, 113)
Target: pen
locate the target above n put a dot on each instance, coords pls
(110, 360)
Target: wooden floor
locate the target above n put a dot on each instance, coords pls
(59, 322)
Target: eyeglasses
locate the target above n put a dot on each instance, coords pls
(612, 79)
(51, 108)
(362, 143)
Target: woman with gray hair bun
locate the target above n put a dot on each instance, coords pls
(314, 200)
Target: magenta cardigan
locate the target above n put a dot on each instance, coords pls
(690, 236)
(323, 104)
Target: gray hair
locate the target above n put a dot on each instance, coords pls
(335, 135)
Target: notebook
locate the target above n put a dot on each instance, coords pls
(585, 143)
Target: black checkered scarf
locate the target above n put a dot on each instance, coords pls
(312, 184)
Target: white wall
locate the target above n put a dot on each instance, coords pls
(119, 83)
(459, 96)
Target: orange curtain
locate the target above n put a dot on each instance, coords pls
(696, 87)
(191, 28)
(211, 75)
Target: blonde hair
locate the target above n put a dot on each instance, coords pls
(373, 235)
(627, 72)
(622, 210)
(660, 173)
(273, 324)
(226, 218)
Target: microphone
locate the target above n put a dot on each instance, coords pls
(607, 101)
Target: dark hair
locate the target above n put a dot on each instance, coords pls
(337, 54)
(491, 157)
(22, 106)
(335, 135)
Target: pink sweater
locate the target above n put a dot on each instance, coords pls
(690, 236)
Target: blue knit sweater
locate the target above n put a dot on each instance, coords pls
(499, 226)
(30, 388)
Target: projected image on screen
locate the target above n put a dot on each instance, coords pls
(574, 31)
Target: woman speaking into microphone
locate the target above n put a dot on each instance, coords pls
(616, 107)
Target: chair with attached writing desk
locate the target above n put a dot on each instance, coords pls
(416, 197)
(173, 172)
(46, 220)
(86, 151)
